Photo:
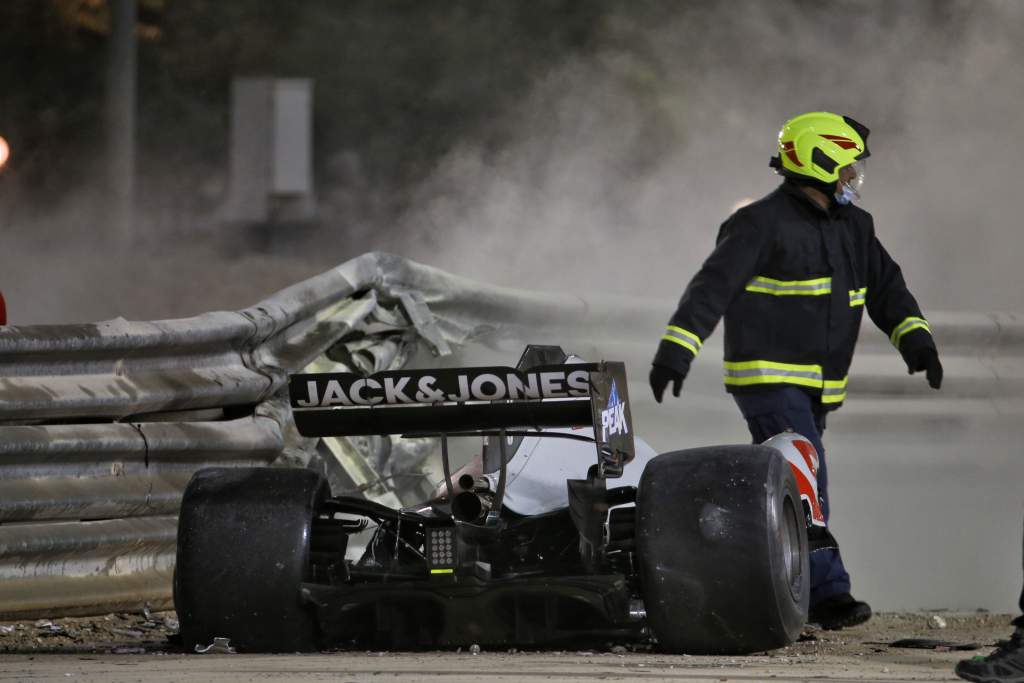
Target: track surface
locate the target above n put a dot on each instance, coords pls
(129, 648)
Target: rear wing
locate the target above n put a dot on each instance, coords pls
(466, 401)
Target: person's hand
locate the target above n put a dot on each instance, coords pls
(661, 376)
(927, 360)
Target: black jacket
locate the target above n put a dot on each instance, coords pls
(792, 280)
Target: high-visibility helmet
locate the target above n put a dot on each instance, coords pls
(817, 144)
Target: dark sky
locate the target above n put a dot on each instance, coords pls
(594, 150)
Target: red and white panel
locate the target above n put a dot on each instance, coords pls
(803, 459)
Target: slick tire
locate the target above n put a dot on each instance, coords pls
(243, 552)
(722, 550)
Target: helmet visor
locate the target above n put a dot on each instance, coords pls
(852, 176)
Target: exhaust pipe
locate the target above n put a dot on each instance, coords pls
(470, 507)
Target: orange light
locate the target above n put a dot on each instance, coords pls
(5, 152)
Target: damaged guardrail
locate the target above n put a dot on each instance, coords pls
(102, 425)
(102, 471)
(81, 568)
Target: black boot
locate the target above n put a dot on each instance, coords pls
(839, 611)
(1005, 665)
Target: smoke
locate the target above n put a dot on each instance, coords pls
(615, 170)
(623, 164)
(612, 174)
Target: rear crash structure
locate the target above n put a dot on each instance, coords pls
(707, 553)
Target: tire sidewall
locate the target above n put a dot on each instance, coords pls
(711, 538)
(792, 595)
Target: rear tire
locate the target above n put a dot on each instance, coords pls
(722, 549)
(243, 552)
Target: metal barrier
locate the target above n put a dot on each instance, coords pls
(102, 425)
(80, 568)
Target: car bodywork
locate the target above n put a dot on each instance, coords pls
(502, 558)
(468, 568)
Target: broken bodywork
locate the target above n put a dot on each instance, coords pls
(612, 562)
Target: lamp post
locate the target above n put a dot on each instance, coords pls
(120, 119)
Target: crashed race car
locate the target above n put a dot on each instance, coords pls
(566, 532)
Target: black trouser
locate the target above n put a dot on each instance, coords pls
(772, 412)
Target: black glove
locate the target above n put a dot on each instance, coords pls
(926, 359)
(661, 376)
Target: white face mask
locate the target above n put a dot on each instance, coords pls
(846, 194)
(850, 190)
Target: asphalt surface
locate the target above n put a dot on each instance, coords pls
(141, 648)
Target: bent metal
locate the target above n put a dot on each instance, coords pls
(438, 386)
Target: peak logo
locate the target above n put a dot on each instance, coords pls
(613, 418)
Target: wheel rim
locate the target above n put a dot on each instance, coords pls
(791, 547)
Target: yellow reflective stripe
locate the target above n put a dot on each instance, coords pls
(442, 571)
(752, 372)
(772, 379)
(767, 285)
(684, 338)
(834, 390)
(908, 325)
(685, 333)
(787, 283)
(746, 373)
(858, 296)
(770, 365)
(676, 340)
